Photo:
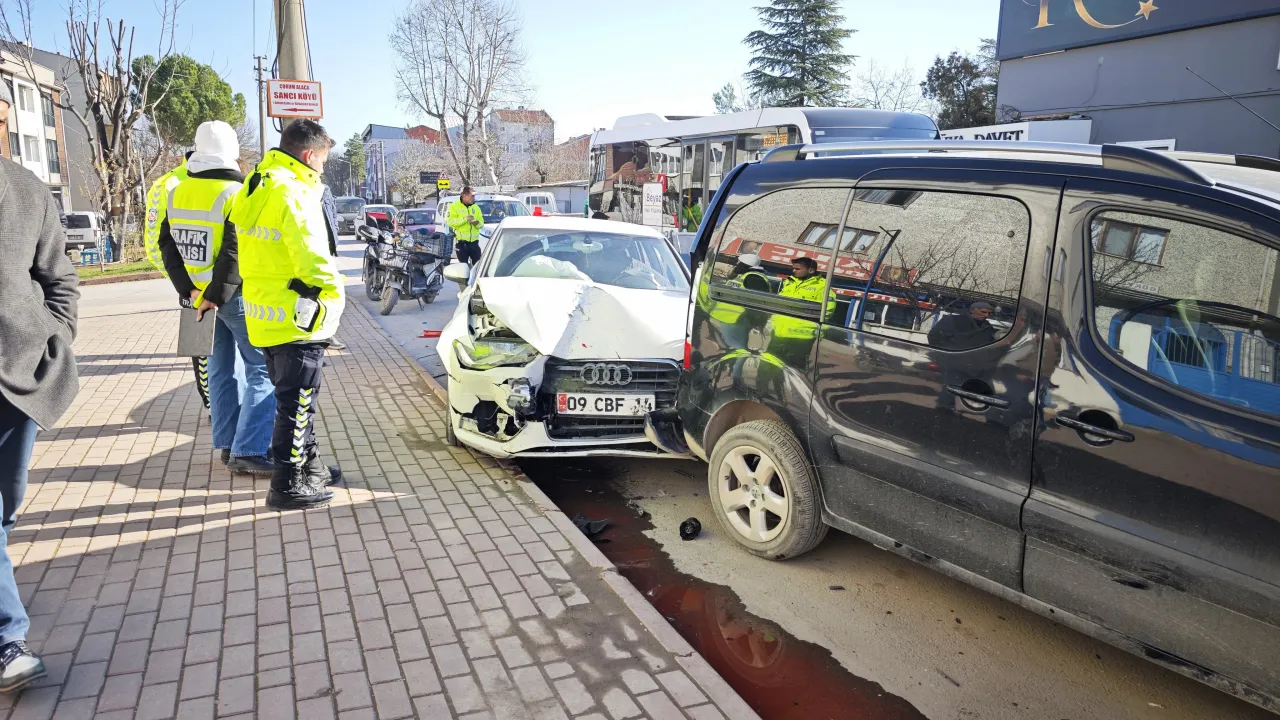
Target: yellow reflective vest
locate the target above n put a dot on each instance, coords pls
(284, 248)
(196, 213)
(157, 204)
(812, 289)
(459, 221)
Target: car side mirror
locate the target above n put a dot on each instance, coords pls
(367, 233)
(459, 273)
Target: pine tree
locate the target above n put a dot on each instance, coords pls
(799, 59)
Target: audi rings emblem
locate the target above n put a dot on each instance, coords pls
(604, 374)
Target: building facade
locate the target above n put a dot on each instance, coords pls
(1134, 74)
(382, 145)
(518, 134)
(33, 131)
(78, 172)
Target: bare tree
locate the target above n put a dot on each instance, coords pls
(881, 88)
(102, 54)
(413, 159)
(458, 60)
(550, 162)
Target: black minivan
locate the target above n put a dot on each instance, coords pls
(1052, 371)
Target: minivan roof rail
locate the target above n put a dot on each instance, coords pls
(1115, 157)
(1255, 162)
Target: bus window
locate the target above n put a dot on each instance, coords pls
(692, 173)
(720, 160)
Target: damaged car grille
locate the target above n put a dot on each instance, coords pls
(657, 377)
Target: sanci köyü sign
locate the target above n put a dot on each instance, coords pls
(1032, 27)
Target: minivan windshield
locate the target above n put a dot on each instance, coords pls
(495, 210)
(350, 205)
(629, 261)
(78, 221)
(417, 217)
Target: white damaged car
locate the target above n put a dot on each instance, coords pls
(568, 333)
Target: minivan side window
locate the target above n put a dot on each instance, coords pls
(763, 237)
(950, 266)
(1190, 305)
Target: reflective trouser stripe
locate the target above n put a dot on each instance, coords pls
(202, 378)
(301, 419)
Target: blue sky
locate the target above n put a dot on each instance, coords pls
(589, 61)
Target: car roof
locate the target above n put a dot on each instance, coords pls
(1242, 176)
(576, 224)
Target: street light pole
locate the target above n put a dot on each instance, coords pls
(291, 32)
(262, 114)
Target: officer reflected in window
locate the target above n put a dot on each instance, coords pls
(806, 284)
(748, 273)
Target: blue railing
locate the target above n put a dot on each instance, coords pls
(1231, 365)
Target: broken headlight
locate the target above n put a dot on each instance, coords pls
(489, 353)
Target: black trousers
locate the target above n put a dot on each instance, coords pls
(468, 252)
(295, 370)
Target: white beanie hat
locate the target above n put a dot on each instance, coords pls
(217, 148)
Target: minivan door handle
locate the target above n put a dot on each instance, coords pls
(1084, 427)
(991, 400)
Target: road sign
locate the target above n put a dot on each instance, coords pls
(442, 184)
(428, 178)
(294, 99)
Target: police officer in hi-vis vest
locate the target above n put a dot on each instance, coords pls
(157, 204)
(199, 244)
(293, 292)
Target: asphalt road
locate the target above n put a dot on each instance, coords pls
(950, 651)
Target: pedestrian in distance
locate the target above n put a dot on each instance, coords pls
(157, 205)
(200, 247)
(466, 220)
(294, 297)
(38, 294)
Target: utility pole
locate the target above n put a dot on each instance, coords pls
(262, 113)
(291, 29)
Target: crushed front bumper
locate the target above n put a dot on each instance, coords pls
(484, 418)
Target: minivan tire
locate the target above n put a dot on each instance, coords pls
(802, 527)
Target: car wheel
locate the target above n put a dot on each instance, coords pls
(370, 277)
(764, 492)
(450, 438)
(390, 296)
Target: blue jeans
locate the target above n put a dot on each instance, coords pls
(243, 408)
(17, 438)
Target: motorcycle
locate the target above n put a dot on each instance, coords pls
(409, 265)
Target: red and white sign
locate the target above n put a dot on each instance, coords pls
(294, 99)
(846, 267)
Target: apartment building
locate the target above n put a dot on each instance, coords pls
(33, 132)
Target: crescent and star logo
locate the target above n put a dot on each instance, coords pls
(1145, 8)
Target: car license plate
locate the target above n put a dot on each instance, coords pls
(601, 404)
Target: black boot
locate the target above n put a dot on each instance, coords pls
(292, 488)
(321, 475)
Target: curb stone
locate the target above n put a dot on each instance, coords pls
(711, 683)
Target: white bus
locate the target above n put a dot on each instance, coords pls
(690, 156)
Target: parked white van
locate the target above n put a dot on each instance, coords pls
(544, 200)
(84, 230)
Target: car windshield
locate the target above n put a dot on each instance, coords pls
(495, 210)
(350, 205)
(78, 222)
(417, 217)
(630, 261)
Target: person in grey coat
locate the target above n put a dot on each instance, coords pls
(38, 294)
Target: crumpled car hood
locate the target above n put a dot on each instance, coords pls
(580, 320)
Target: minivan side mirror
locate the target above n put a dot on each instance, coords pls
(459, 273)
(367, 233)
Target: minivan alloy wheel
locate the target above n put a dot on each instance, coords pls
(753, 494)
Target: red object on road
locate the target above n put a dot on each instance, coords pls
(431, 333)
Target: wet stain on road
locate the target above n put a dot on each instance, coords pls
(781, 677)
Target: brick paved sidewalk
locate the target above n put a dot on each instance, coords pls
(160, 586)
